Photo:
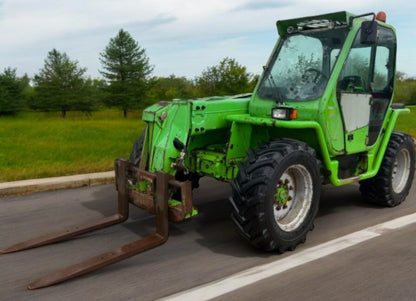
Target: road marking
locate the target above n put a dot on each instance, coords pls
(221, 287)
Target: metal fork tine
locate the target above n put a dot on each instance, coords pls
(64, 234)
(160, 236)
(99, 261)
(123, 252)
(121, 216)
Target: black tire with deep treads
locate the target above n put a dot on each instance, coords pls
(379, 189)
(137, 150)
(254, 190)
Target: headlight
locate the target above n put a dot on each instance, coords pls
(284, 113)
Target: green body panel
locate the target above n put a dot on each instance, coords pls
(218, 131)
(210, 113)
(332, 125)
(163, 127)
(200, 124)
(213, 163)
(359, 143)
(240, 142)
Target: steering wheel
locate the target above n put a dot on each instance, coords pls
(319, 74)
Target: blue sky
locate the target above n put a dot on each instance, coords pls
(180, 37)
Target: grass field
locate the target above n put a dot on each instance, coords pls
(37, 145)
(407, 123)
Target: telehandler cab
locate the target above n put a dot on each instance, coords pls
(322, 112)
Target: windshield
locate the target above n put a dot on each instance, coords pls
(301, 67)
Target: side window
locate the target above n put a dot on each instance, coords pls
(384, 62)
(382, 81)
(355, 74)
(381, 69)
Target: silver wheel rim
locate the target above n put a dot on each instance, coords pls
(295, 183)
(401, 170)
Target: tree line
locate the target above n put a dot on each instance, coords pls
(127, 83)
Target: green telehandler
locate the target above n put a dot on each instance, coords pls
(321, 113)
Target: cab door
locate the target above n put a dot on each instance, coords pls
(365, 88)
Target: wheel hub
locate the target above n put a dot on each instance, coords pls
(401, 171)
(293, 197)
(282, 196)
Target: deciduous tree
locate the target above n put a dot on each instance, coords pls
(168, 88)
(228, 77)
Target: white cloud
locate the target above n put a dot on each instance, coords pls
(181, 36)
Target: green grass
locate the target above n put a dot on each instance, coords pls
(407, 123)
(37, 145)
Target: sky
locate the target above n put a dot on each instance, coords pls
(181, 37)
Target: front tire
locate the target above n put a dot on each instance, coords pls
(276, 195)
(392, 183)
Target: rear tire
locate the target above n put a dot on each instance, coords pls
(276, 195)
(392, 183)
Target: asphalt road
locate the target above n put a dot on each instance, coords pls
(204, 249)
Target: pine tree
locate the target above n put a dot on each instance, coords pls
(126, 69)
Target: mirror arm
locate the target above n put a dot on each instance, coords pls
(359, 16)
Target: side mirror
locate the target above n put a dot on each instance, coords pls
(368, 32)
